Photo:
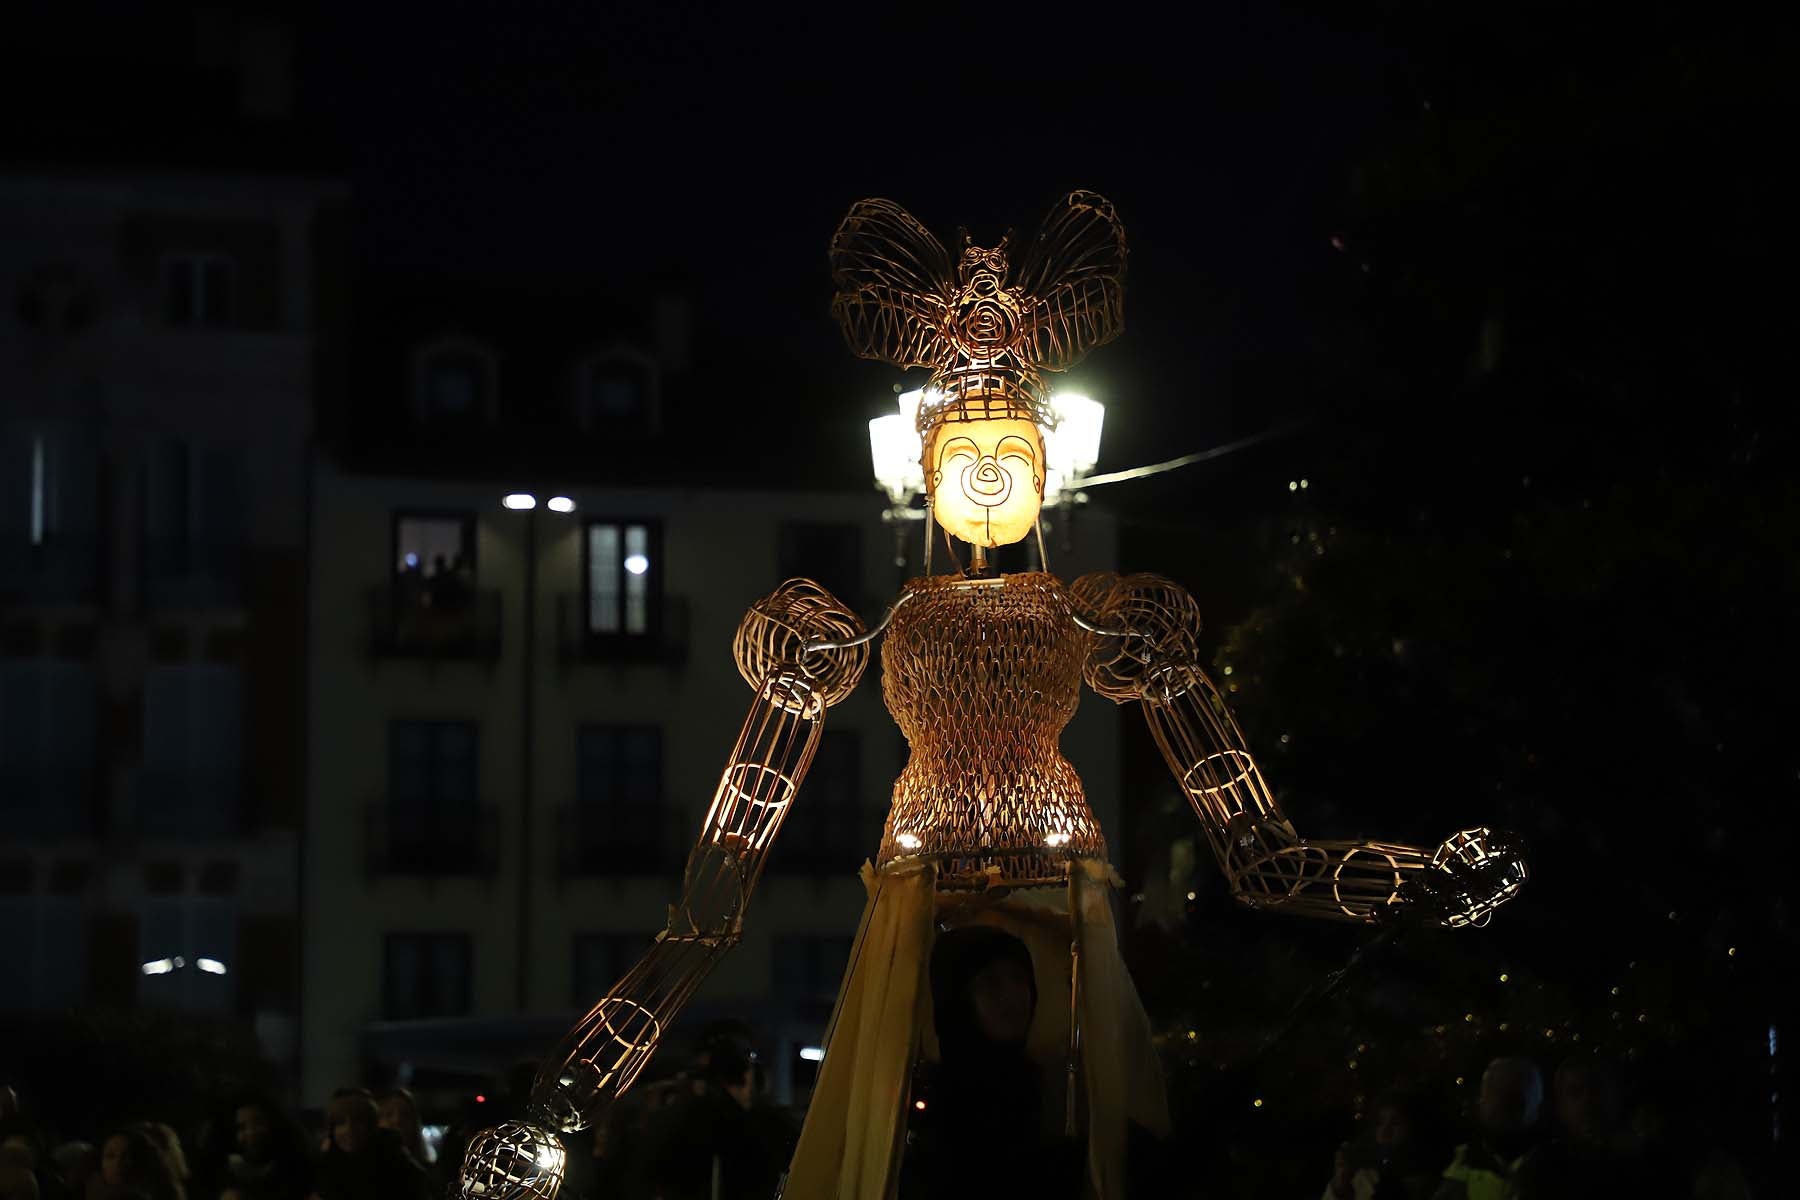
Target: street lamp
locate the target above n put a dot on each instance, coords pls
(526, 502)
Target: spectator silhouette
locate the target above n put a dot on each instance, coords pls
(132, 1168)
(1400, 1160)
(168, 1147)
(269, 1160)
(1496, 1162)
(72, 1165)
(364, 1161)
(709, 1129)
(984, 1102)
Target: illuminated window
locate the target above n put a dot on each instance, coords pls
(624, 578)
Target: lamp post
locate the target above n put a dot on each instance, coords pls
(1071, 451)
(527, 503)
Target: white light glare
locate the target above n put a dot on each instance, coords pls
(637, 564)
(894, 451)
(812, 1053)
(908, 841)
(1056, 839)
(211, 966)
(1073, 447)
(560, 504)
(520, 501)
(161, 966)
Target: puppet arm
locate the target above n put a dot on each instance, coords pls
(1146, 629)
(778, 650)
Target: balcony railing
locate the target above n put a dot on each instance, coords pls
(597, 839)
(183, 803)
(664, 638)
(432, 841)
(402, 625)
(193, 573)
(49, 803)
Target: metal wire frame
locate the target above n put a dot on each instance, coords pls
(514, 1160)
(982, 675)
(988, 328)
(1265, 861)
(811, 652)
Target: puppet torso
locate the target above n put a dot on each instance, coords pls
(981, 678)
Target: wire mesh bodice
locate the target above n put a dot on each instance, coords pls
(981, 677)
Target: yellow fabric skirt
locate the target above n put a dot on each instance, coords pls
(855, 1129)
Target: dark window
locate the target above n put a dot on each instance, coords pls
(624, 578)
(612, 392)
(619, 781)
(601, 960)
(49, 725)
(455, 385)
(197, 289)
(810, 967)
(46, 959)
(828, 552)
(432, 820)
(426, 975)
(830, 830)
(432, 765)
(193, 524)
(191, 782)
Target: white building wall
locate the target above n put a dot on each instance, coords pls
(720, 553)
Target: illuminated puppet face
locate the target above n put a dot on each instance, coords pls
(986, 478)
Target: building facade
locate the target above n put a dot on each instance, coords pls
(508, 766)
(157, 366)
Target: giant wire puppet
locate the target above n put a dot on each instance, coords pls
(988, 824)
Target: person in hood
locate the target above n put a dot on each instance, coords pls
(983, 1101)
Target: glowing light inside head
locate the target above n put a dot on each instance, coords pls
(520, 501)
(909, 841)
(1056, 839)
(987, 478)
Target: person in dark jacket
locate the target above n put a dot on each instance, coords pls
(364, 1161)
(711, 1142)
(269, 1160)
(978, 1114)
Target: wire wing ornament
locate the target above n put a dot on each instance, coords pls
(986, 328)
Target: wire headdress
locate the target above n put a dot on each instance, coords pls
(987, 328)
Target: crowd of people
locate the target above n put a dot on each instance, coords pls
(1579, 1144)
(709, 1132)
